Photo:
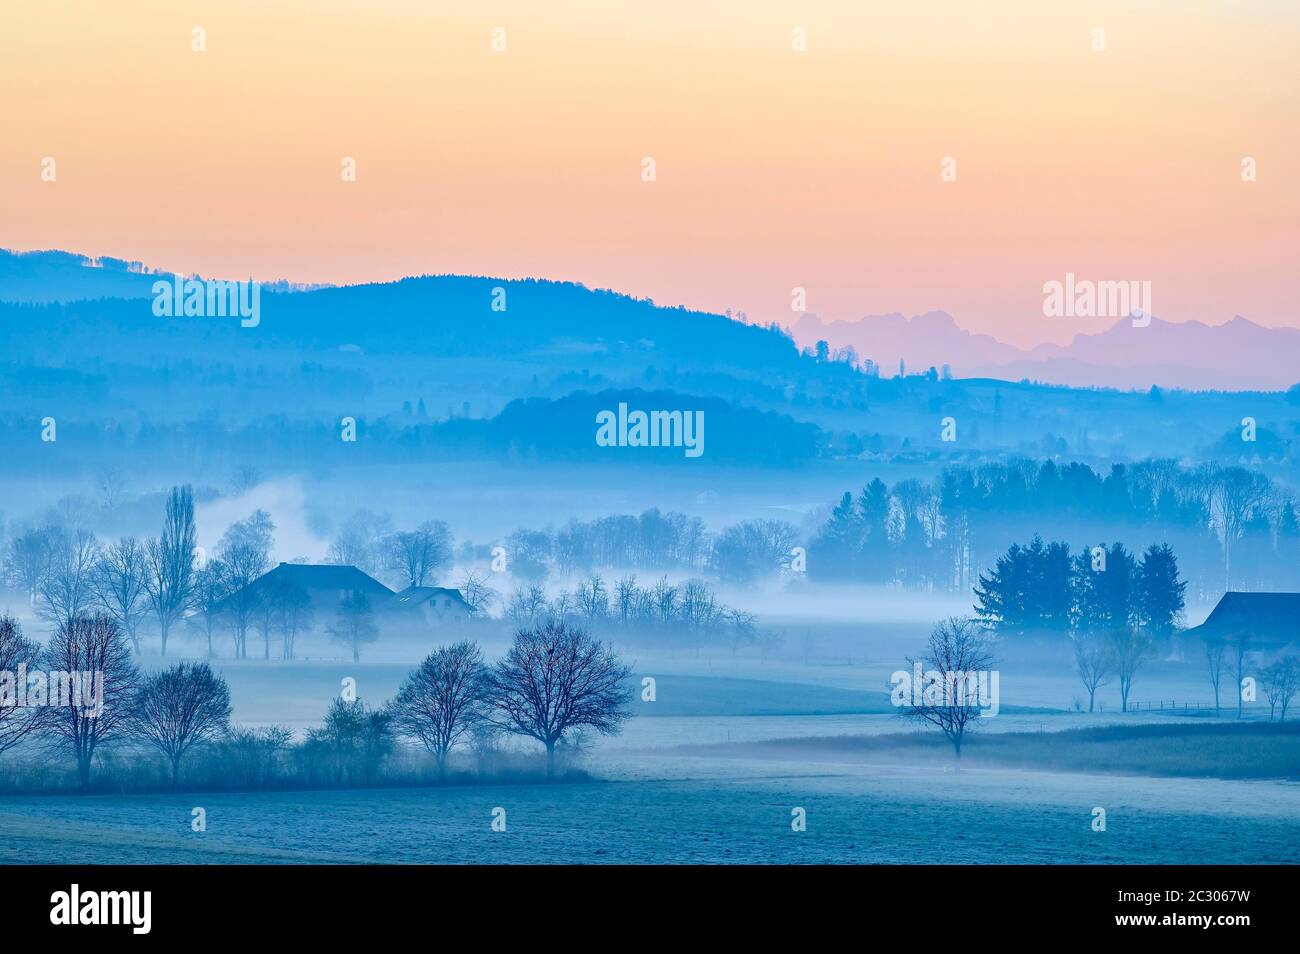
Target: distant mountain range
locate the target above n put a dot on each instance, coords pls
(431, 371)
(1237, 355)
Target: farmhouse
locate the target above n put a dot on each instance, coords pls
(324, 585)
(1268, 619)
(432, 604)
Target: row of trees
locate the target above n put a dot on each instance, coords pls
(959, 649)
(1235, 656)
(555, 681)
(1233, 526)
(1120, 653)
(172, 710)
(689, 612)
(67, 573)
(1280, 681)
(368, 541)
(653, 541)
(1042, 587)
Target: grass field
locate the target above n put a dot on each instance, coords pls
(711, 770)
(1215, 750)
(676, 810)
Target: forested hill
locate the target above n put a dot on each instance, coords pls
(454, 349)
(435, 315)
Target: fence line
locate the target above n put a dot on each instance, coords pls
(1173, 706)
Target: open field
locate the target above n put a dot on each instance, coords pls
(710, 770)
(677, 810)
(1214, 750)
(712, 777)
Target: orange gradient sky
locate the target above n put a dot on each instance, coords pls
(775, 168)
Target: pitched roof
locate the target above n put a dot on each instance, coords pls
(1272, 616)
(414, 596)
(324, 576)
(310, 576)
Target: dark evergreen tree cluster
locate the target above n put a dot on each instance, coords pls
(1042, 588)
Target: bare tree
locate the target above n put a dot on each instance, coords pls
(211, 587)
(1094, 664)
(244, 478)
(30, 554)
(767, 642)
(625, 593)
(71, 512)
(1130, 647)
(1280, 682)
(420, 553)
(554, 679)
(94, 649)
(957, 651)
(1239, 653)
(442, 700)
(67, 589)
(294, 615)
(527, 605)
(245, 552)
(592, 599)
(911, 495)
(355, 624)
(562, 606)
(753, 549)
(1291, 670)
(178, 708)
(741, 630)
(474, 587)
(119, 589)
(111, 485)
(359, 541)
(16, 722)
(267, 613)
(664, 600)
(1216, 651)
(170, 580)
(1236, 492)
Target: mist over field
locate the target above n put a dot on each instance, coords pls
(755, 614)
(850, 442)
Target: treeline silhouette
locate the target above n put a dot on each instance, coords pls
(1232, 527)
(80, 714)
(686, 615)
(1043, 588)
(654, 540)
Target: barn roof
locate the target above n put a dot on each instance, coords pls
(1268, 616)
(311, 576)
(325, 576)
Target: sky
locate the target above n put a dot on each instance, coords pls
(774, 168)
